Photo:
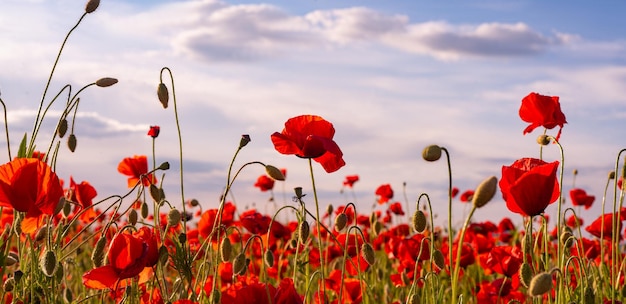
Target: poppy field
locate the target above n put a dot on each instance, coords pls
(61, 241)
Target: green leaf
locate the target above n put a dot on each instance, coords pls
(21, 153)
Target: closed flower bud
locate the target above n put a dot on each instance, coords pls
(485, 192)
(48, 263)
(413, 298)
(303, 231)
(274, 173)
(590, 295)
(10, 259)
(341, 221)
(163, 255)
(173, 217)
(378, 227)
(68, 296)
(367, 252)
(97, 256)
(432, 153)
(612, 175)
(91, 6)
(155, 193)
(8, 285)
(42, 233)
(194, 203)
(540, 284)
(268, 258)
(543, 140)
(106, 82)
(164, 166)
(419, 221)
(298, 191)
(67, 209)
(225, 249)
(239, 264)
(567, 238)
(525, 274)
(330, 209)
(439, 259)
(245, 140)
(62, 128)
(163, 94)
(132, 217)
(71, 142)
(144, 210)
(216, 296)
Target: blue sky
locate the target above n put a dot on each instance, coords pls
(392, 76)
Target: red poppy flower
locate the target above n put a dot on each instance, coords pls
(529, 185)
(350, 180)
(286, 293)
(540, 110)
(454, 192)
(574, 221)
(384, 193)
(310, 136)
(154, 131)
(467, 196)
(29, 185)
(580, 198)
(505, 260)
(83, 194)
(265, 183)
(136, 168)
(396, 208)
(128, 255)
(596, 228)
(255, 222)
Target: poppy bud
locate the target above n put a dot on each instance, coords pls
(144, 210)
(91, 6)
(432, 153)
(68, 296)
(67, 209)
(239, 264)
(303, 231)
(575, 172)
(164, 166)
(268, 258)
(274, 173)
(378, 227)
(62, 128)
(132, 217)
(439, 259)
(155, 193)
(405, 278)
(330, 209)
(567, 238)
(71, 142)
(216, 296)
(97, 256)
(173, 217)
(17, 225)
(298, 191)
(9, 284)
(42, 233)
(163, 94)
(413, 298)
(106, 82)
(225, 249)
(543, 140)
(589, 295)
(245, 139)
(194, 202)
(163, 255)
(540, 284)
(612, 175)
(419, 221)
(293, 243)
(341, 221)
(367, 252)
(10, 259)
(485, 192)
(48, 263)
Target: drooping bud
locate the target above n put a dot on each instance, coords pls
(194, 202)
(485, 192)
(590, 295)
(9, 284)
(106, 82)
(567, 238)
(439, 259)
(274, 173)
(67, 208)
(419, 221)
(303, 231)
(68, 296)
(48, 263)
(97, 256)
(612, 175)
(543, 140)
(226, 249)
(163, 94)
(91, 6)
(132, 217)
(367, 252)
(239, 264)
(41, 234)
(155, 193)
(163, 255)
(71, 142)
(173, 217)
(144, 210)
(432, 153)
(216, 296)
(62, 128)
(164, 166)
(540, 284)
(268, 258)
(245, 140)
(341, 221)
(10, 259)
(413, 298)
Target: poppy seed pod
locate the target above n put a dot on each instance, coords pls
(245, 139)
(91, 6)
(341, 221)
(226, 249)
(432, 153)
(71, 142)
(485, 192)
(419, 221)
(543, 140)
(163, 94)
(274, 173)
(367, 252)
(8, 285)
(540, 284)
(106, 82)
(298, 191)
(48, 263)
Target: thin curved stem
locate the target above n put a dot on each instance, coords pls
(319, 228)
(6, 127)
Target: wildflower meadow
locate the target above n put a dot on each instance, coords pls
(61, 241)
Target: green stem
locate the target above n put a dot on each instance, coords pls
(6, 129)
(319, 227)
(459, 249)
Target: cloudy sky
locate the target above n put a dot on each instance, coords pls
(392, 76)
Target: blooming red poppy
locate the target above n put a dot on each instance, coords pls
(384, 193)
(29, 185)
(310, 136)
(596, 229)
(136, 168)
(540, 110)
(580, 198)
(83, 194)
(396, 208)
(128, 255)
(286, 293)
(505, 260)
(467, 196)
(154, 131)
(529, 185)
(454, 192)
(574, 221)
(265, 183)
(350, 180)
(255, 222)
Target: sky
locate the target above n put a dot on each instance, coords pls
(392, 76)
